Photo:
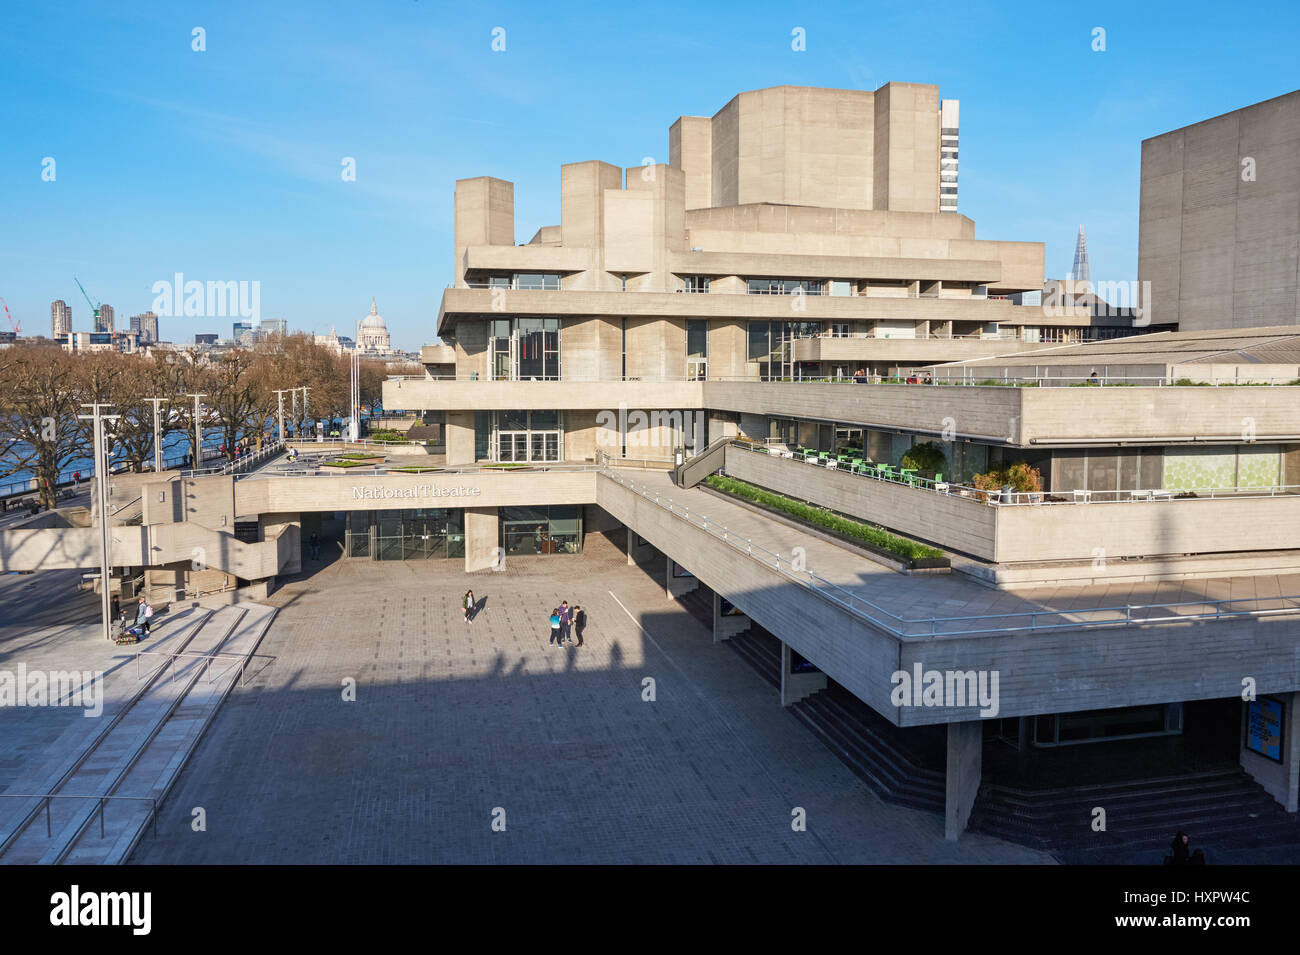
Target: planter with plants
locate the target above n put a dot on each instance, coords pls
(1021, 478)
(412, 469)
(914, 556)
(348, 464)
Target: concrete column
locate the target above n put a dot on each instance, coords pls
(676, 586)
(1280, 780)
(482, 538)
(460, 438)
(797, 686)
(965, 767)
(724, 628)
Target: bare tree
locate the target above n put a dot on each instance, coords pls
(39, 404)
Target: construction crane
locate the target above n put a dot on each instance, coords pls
(94, 307)
(16, 325)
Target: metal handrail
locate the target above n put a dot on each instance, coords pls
(49, 831)
(930, 627)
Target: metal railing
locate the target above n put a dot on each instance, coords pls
(892, 474)
(972, 624)
(380, 470)
(101, 800)
(243, 463)
(241, 660)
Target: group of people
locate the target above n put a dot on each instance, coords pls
(143, 613)
(567, 623)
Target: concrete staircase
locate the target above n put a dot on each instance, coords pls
(874, 749)
(104, 796)
(1224, 811)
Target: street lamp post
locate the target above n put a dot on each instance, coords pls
(157, 434)
(354, 365)
(198, 430)
(279, 414)
(101, 494)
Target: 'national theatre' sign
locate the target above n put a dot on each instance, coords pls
(375, 492)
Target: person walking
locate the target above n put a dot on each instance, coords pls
(315, 545)
(579, 622)
(556, 639)
(468, 604)
(566, 620)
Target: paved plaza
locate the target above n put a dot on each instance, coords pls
(453, 723)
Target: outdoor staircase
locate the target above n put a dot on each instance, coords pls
(887, 758)
(1222, 810)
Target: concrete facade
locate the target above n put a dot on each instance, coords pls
(1220, 219)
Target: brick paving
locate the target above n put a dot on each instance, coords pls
(453, 722)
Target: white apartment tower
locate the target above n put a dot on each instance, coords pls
(60, 318)
(948, 110)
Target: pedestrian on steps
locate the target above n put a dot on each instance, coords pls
(468, 604)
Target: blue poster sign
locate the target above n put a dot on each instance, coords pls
(1264, 727)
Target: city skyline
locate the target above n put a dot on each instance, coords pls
(282, 126)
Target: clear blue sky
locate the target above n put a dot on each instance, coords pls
(225, 164)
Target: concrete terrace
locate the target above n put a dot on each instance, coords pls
(954, 595)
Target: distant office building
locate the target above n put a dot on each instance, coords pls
(1082, 270)
(205, 338)
(948, 110)
(1219, 237)
(146, 326)
(104, 323)
(60, 318)
(274, 326)
(238, 330)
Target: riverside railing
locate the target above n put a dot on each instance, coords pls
(997, 497)
(974, 624)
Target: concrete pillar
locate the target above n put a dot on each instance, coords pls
(1280, 780)
(676, 586)
(460, 438)
(797, 686)
(965, 767)
(482, 538)
(726, 627)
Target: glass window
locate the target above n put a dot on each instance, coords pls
(760, 346)
(697, 338)
(841, 287)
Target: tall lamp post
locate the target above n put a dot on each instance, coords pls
(279, 414)
(198, 430)
(157, 434)
(101, 495)
(354, 364)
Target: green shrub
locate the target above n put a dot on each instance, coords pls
(1188, 383)
(820, 517)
